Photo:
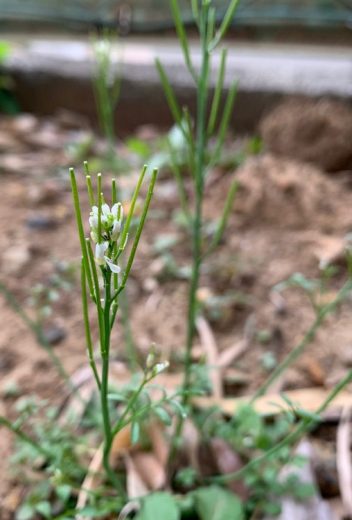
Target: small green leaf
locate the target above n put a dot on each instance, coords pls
(215, 503)
(44, 508)
(26, 512)
(63, 492)
(135, 432)
(163, 415)
(159, 505)
(139, 147)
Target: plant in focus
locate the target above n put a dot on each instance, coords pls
(101, 258)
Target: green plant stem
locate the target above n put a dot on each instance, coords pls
(303, 427)
(24, 437)
(87, 327)
(78, 214)
(224, 218)
(322, 314)
(121, 422)
(104, 389)
(201, 143)
(37, 331)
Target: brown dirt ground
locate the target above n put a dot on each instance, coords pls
(288, 217)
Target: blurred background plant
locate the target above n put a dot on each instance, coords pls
(8, 103)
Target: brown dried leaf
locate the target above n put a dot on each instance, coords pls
(121, 444)
(343, 459)
(136, 487)
(91, 481)
(150, 470)
(212, 353)
(308, 398)
(160, 446)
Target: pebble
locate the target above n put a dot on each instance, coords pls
(41, 222)
(16, 258)
(24, 123)
(54, 334)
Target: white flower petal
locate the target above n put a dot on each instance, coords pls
(113, 267)
(116, 230)
(95, 210)
(93, 221)
(100, 252)
(105, 210)
(115, 209)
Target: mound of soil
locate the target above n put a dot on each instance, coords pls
(318, 132)
(292, 195)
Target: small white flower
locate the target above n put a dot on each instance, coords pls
(100, 250)
(111, 222)
(113, 267)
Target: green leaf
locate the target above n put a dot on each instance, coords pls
(44, 508)
(135, 432)
(159, 505)
(163, 415)
(26, 512)
(4, 50)
(215, 503)
(64, 492)
(139, 147)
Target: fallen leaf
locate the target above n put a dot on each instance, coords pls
(308, 399)
(136, 487)
(150, 470)
(212, 353)
(343, 459)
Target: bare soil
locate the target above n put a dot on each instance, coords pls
(289, 217)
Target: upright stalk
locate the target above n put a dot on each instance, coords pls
(109, 233)
(201, 142)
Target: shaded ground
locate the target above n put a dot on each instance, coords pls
(289, 217)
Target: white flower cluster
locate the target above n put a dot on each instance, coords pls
(110, 227)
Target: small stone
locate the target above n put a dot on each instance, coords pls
(24, 123)
(41, 222)
(54, 335)
(150, 285)
(16, 258)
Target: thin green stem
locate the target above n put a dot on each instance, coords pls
(181, 33)
(127, 225)
(97, 292)
(87, 327)
(201, 144)
(37, 331)
(24, 437)
(121, 422)
(217, 94)
(225, 217)
(224, 124)
(307, 339)
(230, 13)
(304, 426)
(179, 182)
(77, 207)
(104, 389)
(138, 233)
